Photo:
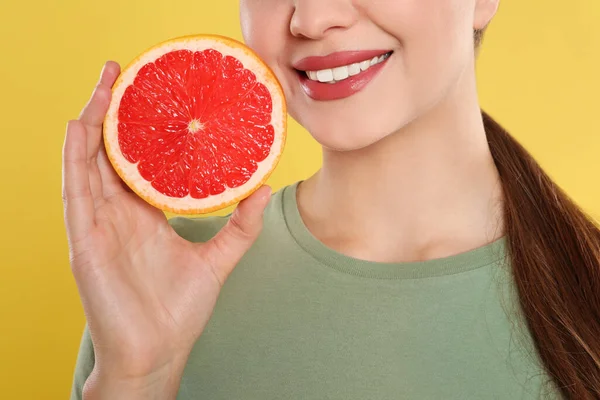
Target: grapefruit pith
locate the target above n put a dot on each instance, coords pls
(195, 124)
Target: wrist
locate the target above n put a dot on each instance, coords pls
(159, 384)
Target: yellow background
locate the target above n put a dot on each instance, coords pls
(538, 75)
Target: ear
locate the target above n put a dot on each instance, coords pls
(484, 12)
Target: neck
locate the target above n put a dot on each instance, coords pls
(428, 191)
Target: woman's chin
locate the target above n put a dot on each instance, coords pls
(354, 131)
(346, 141)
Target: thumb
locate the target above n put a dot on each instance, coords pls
(225, 250)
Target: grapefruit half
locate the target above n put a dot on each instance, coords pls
(195, 124)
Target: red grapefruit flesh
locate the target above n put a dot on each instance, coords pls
(195, 124)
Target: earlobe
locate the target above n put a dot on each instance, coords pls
(484, 12)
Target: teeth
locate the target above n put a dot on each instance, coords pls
(325, 75)
(354, 69)
(340, 73)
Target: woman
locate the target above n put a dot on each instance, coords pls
(429, 258)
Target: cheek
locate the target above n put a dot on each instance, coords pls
(440, 32)
(426, 29)
(264, 27)
(435, 43)
(252, 20)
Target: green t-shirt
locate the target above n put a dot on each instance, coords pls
(298, 320)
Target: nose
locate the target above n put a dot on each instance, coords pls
(314, 19)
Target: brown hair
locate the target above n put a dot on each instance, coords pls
(554, 249)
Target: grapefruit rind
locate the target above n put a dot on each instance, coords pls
(188, 205)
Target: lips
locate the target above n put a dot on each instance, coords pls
(346, 87)
(336, 59)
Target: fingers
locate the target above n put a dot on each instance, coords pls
(95, 110)
(77, 194)
(228, 246)
(92, 116)
(82, 184)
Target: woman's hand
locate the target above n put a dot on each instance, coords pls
(147, 293)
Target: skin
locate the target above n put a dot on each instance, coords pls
(405, 159)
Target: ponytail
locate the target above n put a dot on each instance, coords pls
(554, 248)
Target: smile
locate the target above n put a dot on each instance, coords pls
(339, 75)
